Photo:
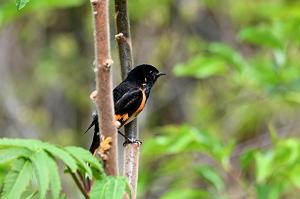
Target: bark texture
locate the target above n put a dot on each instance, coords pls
(104, 99)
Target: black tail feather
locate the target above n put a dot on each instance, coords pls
(96, 137)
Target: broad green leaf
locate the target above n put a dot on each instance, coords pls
(270, 191)
(293, 97)
(40, 162)
(294, 176)
(227, 53)
(211, 175)
(201, 67)
(109, 188)
(263, 166)
(9, 154)
(181, 144)
(17, 179)
(261, 36)
(21, 3)
(246, 158)
(287, 152)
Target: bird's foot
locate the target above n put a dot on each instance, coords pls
(132, 141)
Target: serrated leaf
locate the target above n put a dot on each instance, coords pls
(40, 162)
(63, 155)
(17, 179)
(9, 154)
(36, 145)
(21, 3)
(30, 144)
(55, 184)
(84, 157)
(109, 188)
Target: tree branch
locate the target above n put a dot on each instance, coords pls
(104, 100)
(131, 151)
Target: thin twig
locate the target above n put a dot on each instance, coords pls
(104, 100)
(131, 151)
(79, 184)
(83, 181)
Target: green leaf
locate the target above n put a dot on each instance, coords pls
(9, 154)
(21, 3)
(36, 145)
(40, 161)
(261, 36)
(263, 166)
(201, 67)
(84, 157)
(17, 179)
(109, 188)
(185, 193)
(294, 176)
(228, 54)
(63, 155)
(55, 184)
(30, 195)
(30, 144)
(246, 158)
(270, 191)
(211, 175)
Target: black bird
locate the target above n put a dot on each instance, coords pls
(130, 97)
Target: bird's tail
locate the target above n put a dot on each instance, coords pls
(96, 137)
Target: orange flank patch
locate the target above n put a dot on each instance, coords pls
(123, 117)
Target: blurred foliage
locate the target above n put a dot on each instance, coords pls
(228, 121)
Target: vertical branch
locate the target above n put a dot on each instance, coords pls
(104, 100)
(131, 151)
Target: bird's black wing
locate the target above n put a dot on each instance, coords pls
(129, 102)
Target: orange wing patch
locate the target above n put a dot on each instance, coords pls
(142, 103)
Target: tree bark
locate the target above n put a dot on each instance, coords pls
(131, 151)
(104, 99)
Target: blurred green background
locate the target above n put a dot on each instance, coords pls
(224, 122)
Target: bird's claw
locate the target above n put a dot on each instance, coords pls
(132, 141)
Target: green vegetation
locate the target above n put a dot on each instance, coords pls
(34, 162)
(223, 124)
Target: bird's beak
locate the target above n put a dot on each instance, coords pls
(160, 74)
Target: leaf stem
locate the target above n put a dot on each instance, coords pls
(79, 185)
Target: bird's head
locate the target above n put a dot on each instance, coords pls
(144, 74)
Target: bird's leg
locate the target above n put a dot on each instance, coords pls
(129, 140)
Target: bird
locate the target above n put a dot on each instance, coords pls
(130, 98)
